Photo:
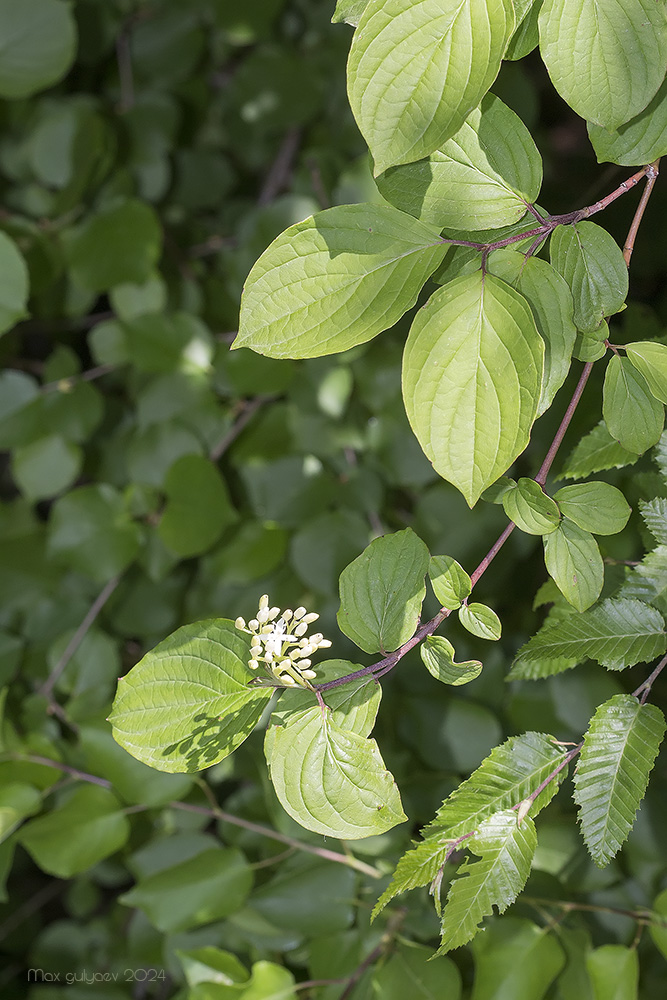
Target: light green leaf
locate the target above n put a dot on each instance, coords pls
(349, 11)
(198, 506)
(37, 45)
(382, 590)
(596, 451)
(437, 653)
(650, 358)
(186, 705)
(654, 513)
(516, 960)
(647, 581)
(332, 781)
(592, 263)
(472, 373)
(414, 73)
(212, 965)
(606, 59)
(658, 931)
(120, 243)
(505, 850)
(633, 415)
(14, 283)
(640, 141)
(336, 280)
(270, 981)
(481, 178)
(610, 780)
(592, 345)
(496, 492)
(480, 620)
(595, 507)
(413, 972)
(17, 801)
(618, 633)
(530, 508)
(527, 35)
(87, 828)
(614, 972)
(573, 560)
(451, 584)
(550, 298)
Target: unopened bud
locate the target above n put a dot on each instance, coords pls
(301, 629)
(240, 623)
(299, 613)
(312, 617)
(263, 602)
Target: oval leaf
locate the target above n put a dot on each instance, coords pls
(14, 284)
(437, 654)
(198, 506)
(640, 141)
(37, 45)
(650, 358)
(481, 621)
(592, 263)
(530, 508)
(595, 507)
(451, 584)
(633, 415)
(573, 560)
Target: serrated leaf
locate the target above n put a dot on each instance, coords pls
(633, 415)
(186, 705)
(481, 621)
(451, 584)
(654, 513)
(336, 280)
(650, 358)
(382, 590)
(437, 654)
(414, 73)
(592, 263)
(596, 451)
(332, 781)
(481, 178)
(472, 373)
(647, 581)
(550, 298)
(573, 560)
(618, 633)
(530, 508)
(606, 59)
(505, 850)
(595, 507)
(610, 780)
(641, 140)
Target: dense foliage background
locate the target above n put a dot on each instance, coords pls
(150, 150)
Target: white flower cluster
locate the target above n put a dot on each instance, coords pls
(281, 643)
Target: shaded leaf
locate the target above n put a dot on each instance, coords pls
(437, 653)
(480, 620)
(633, 415)
(595, 507)
(591, 262)
(516, 958)
(573, 560)
(650, 358)
(639, 141)
(38, 45)
(596, 451)
(530, 508)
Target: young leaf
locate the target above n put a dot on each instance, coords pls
(437, 654)
(414, 72)
(642, 140)
(480, 620)
(633, 415)
(530, 508)
(610, 780)
(606, 59)
(591, 262)
(451, 584)
(382, 590)
(472, 373)
(595, 507)
(505, 850)
(650, 358)
(573, 560)
(654, 513)
(618, 633)
(187, 704)
(596, 451)
(332, 781)
(481, 178)
(336, 280)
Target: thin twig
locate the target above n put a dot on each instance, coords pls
(651, 177)
(32, 905)
(125, 70)
(67, 383)
(645, 689)
(278, 175)
(541, 476)
(385, 943)
(250, 408)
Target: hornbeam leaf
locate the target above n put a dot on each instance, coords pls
(187, 704)
(414, 73)
(654, 513)
(647, 581)
(634, 417)
(331, 780)
(472, 373)
(573, 560)
(596, 451)
(480, 178)
(640, 141)
(618, 633)
(336, 280)
(605, 58)
(619, 749)
(592, 263)
(505, 849)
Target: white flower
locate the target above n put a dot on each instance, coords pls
(284, 655)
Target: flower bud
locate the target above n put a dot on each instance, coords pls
(312, 617)
(253, 664)
(301, 629)
(253, 624)
(262, 616)
(263, 602)
(240, 623)
(299, 613)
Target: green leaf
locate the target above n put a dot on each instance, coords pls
(647, 581)
(611, 777)
(186, 705)
(505, 850)
(595, 507)
(414, 74)
(332, 781)
(120, 243)
(14, 284)
(480, 620)
(596, 451)
(87, 828)
(46, 467)
(349, 11)
(641, 140)
(212, 965)
(573, 560)
(618, 633)
(658, 931)
(411, 969)
(17, 801)
(37, 47)
(198, 506)
(472, 372)
(526, 36)
(451, 584)
(592, 263)
(481, 178)
(604, 58)
(550, 299)
(516, 959)
(336, 280)
(654, 513)
(633, 415)
(292, 899)
(650, 359)
(382, 590)
(437, 653)
(614, 972)
(530, 508)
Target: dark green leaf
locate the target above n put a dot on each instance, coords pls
(614, 972)
(595, 507)
(91, 531)
(38, 45)
(13, 275)
(198, 506)
(120, 243)
(516, 958)
(591, 262)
